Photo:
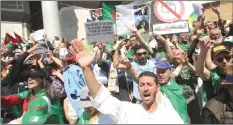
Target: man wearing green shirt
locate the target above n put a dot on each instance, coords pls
(184, 41)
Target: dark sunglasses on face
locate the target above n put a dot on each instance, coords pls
(140, 54)
(227, 58)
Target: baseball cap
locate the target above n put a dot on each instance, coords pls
(163, 64)
(85, 98)
(219, 48)
(37, 73)
(9, 46)
(38, 111)
(229, 39)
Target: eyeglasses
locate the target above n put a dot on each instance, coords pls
(140, 54)
(227, 58)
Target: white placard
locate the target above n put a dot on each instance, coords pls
(171, 28)
(102, 30)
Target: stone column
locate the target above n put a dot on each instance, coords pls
(51, 20)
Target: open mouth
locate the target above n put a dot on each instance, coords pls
(146, 95)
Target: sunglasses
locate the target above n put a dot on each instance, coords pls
(227, 58)
(140, 54)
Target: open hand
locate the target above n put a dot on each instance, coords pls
(56, 72)
(215, 10)
(83, 58)
(126, 62)
(101, 45)
(205, 43)
(120, 44)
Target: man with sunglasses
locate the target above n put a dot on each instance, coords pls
(142, 64)
(219, 110)
(221, 56)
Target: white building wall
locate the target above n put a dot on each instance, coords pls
(11, 27)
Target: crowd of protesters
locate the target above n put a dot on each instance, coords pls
(184, 78)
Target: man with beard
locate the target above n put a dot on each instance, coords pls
(150, 111)
(184, 41)
(215, 36)
(219, 110)
(172, 93)
(220, 57)
(141, 63)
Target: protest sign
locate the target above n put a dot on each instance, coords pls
(102, 30)
(171, 28)
(133, 15)
(224, 7)
(171, 11)
(38, 35)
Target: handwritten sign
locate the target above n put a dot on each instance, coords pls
(102, 30)
(171, 28)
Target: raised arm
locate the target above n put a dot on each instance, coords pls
(139, 37)
(208, 61)
(220, 21)
(167, 46)
(201, 71)
(143, 42)
(116, 59)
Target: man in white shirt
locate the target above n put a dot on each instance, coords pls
(149, 111)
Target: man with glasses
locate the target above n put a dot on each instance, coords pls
(142, 64)
(221, 56)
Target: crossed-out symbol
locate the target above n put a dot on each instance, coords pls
(169, 7)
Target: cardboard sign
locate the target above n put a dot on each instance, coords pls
(171, 28)
(224, 7)
(102, 30)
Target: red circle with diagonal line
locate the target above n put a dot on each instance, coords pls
(178, 16)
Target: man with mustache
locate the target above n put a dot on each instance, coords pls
(172, 93)
(149, 111)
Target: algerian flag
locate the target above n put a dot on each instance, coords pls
(108, 12)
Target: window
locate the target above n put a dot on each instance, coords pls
(12, 6)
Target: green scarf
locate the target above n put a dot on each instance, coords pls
(84, 119)
(174, 93)
(56, 107)
(185, 46)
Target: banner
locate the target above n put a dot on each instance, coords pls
(38, 35)
(101, 30)
(133, 15)
(171, 28)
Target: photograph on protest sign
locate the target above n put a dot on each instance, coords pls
(142, 18)
(101, 30)
(96, 15)
(137, 15)
(171, 28)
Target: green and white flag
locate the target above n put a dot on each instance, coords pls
(108, 12)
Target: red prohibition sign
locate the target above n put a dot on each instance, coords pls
(177, 15)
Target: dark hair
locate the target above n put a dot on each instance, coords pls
(140, 46)
(49, 90)
(150, 74)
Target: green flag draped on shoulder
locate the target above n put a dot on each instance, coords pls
(174, 93)
(84, 119)
(108, 12)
